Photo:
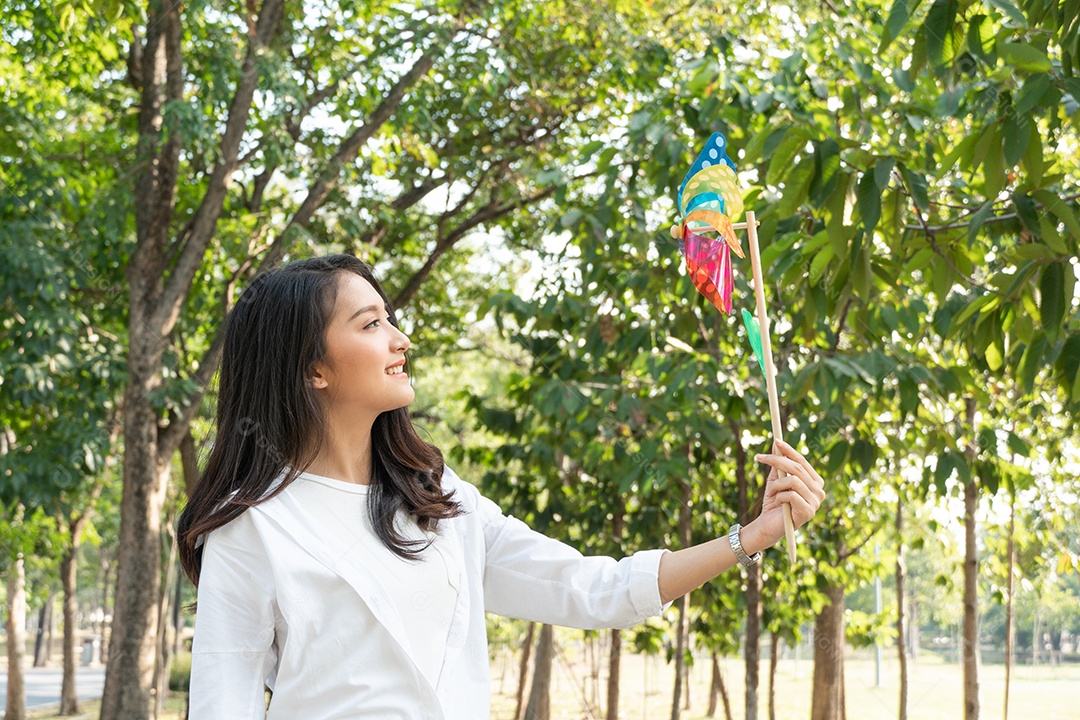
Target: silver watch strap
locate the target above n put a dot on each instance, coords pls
(737, 548)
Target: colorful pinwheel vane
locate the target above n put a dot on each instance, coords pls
(708, 198)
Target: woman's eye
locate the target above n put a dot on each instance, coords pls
(371, 324)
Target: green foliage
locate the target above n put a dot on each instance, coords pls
(912, 164)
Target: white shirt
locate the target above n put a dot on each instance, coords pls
(421, 589)
(279, 603)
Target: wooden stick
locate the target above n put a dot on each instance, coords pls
(770, 371)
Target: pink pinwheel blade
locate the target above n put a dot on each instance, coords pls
(708, 263)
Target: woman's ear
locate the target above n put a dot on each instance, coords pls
(318, 377)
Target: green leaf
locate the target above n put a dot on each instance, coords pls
(1024, 57)
(1050, 236)
(1010, 10)
(589, 149)
(1033, 160)
(1016, 135)
(1025, 210)
(604, 161)
(837, 457)
(994, 164)
(962, 151)
(819, 263)
(898, 18)
(980, 38)
(1061, 210)
(1017, 445)
(916, 183)
(1035, 87)
(994, 356)
(976, 222)
(795, 187)
(937, 28)
(782, 159)
(909, 396)
(946, 463)
(1052, 298)
(1031, 362)
(869, 200)
(826, 171)
(882, 170)
(968, 312)
(1072, 86)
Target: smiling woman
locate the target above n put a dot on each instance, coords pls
(341, 564)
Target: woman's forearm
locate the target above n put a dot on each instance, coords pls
(683, 570)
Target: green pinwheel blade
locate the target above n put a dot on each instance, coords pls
(753, 332)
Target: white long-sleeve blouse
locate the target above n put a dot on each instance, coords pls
(282, 603)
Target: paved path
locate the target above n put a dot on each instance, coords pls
(43, 686)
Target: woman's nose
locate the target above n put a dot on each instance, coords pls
(401, 342)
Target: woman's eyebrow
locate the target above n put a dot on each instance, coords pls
(361, 311)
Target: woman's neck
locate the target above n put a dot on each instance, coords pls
(345, 454)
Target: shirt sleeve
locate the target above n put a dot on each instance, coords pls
(232, 651)
(530, 576)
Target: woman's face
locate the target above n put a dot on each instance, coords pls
(362, 369)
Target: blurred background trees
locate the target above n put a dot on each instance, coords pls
(510, 169)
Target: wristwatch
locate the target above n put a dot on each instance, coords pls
(737, 548)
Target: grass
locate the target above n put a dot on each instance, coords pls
(91, 710)
(935, 689)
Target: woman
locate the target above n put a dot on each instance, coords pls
(340, 563)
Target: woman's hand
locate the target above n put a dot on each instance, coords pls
(801, 486)
(683, 570)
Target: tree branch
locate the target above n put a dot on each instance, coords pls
(205, 219)
(347, 152)
(487, 213)
(157, 163)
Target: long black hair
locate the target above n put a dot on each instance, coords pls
(270, 420)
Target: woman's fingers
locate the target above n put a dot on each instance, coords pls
(795, 484)
(794, 454)
(792, 463)
(801, 510)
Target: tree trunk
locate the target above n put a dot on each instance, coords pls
(901, 648)
(719, 688)
(682, 635)
(50, 631)
(129, 676)
(714, 686)
(614, 663)
(913, 630)
(15, 707)
(161, 666)
(69, 699)
(1009, 629)
(130, 667)
(41, 646)
(177, 615)
(774, 651)
(827, 702)
(523, 671)
(104, 626)
(970, 645)
(539, 707)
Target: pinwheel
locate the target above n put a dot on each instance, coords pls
(708, 198)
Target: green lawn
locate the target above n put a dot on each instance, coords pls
(1039, 692)
(936, 689)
